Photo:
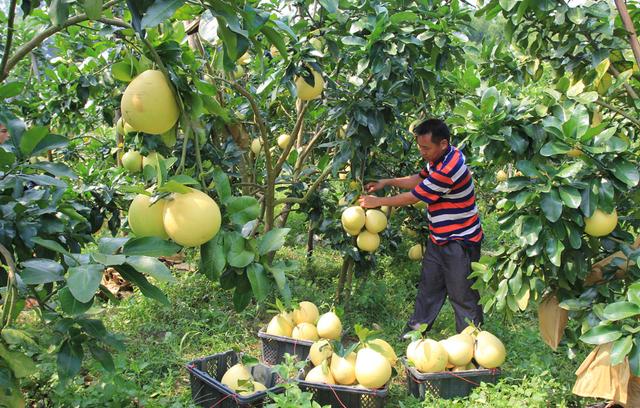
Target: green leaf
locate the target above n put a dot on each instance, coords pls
(6, 158)
(353, 40)
(108, 260)
(575, 89)
(243, 209)
(142, 283)
(84, 280)
(238, 255)
(102, 356)
(38, 271)
(507, 5)
(70, 304)
(554, 248)
(15, 336)
(277, 270)
(404, 17)
(272, 240)
(531, 228)
(150, 246)
(21, 365)
(626, 172)
(554, 148)
(633, 293)
(570, 196)
(55, 169)
(160, 11)
(634, 358)
(212, 259)
(570, 170)
(31, 138)
(260, 284)
(620, 310)
(151, 266)
(173, 186)
(589, 201)
(11, 89)
(93, 9)
(620, 349)
(58, 12)
(49, 244)
(50, 142)
(69, 359)
(551, 205)
(110, 246)
(330, 5)
(601, 334)
(222, 186)
(241, 300)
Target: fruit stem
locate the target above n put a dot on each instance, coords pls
(12, 292)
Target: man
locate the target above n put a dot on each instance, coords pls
(4, 133)
(445, 184)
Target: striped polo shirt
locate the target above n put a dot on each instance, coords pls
(447, 187)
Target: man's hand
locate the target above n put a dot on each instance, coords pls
(370, 201)
(375, 186)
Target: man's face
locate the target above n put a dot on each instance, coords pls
(431, 151)
(4, 134)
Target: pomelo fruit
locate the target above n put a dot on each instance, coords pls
(368, 241)
(501, 176)
(387, 350)
(145, 219)
(256, 146)
(279, 326)
(234, 374)
(329, 326)
(306, 312)
(132, 161)
(257, 387)
(343, 369)
(305, 331)
(284, 140)
(459, 349)
(372, 368)
(320, 374)
(415, 252)
(600, 223)
(191, 219)
(489, 351)
(353, 218)
(320, 351)
(375, 221)
(148, 103)
(307, 92)
(430, 356)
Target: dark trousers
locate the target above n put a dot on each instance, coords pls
(445, 269)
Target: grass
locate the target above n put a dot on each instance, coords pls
(201, 321)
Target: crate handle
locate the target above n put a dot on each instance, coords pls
(227, 396)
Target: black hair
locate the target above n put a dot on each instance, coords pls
(436, 127)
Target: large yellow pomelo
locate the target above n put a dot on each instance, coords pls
(343, 369)
(501, 176)
(415, 252)
(306, 312)
(368, 241)
(191, 219)
(279, 326)
(151, 159)
(342, 131)
(305, 331)
(459, 349)
(132, 161)
(307, 92)
(600, 223)
(353, 218)
(257, 387)
(256, 146)
(387, 350)
(320, 374)
(283, 141)
(489, 351)
(375, 221)
(329, 326)
(148, 103)
(145, 220)
(320, 351)
(353, 233)
(372, 368)
(412, 350)
(235, 374)
(430, 356)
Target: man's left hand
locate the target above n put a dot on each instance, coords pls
(370, 201)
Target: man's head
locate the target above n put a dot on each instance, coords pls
(433, 139)
(4, 133)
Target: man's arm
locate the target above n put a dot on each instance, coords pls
(399, 200)
(407, 183)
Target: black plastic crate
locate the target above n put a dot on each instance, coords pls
(342, 396)
(207, 390)
(447, 384)
(275, 347)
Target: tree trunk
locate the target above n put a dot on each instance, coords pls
(310, 241)
(631, 31)
(344, 271)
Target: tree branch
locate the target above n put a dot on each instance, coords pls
(310, 191)
(633, 120)
(628, 25)
(10, 30)
(287, 150)
(307, 149)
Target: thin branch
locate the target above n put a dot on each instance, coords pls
(632, 93)
(38, 39)
(10, 30)
(310, 191)
(307, 149)
(631, 31)
(633, 120)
